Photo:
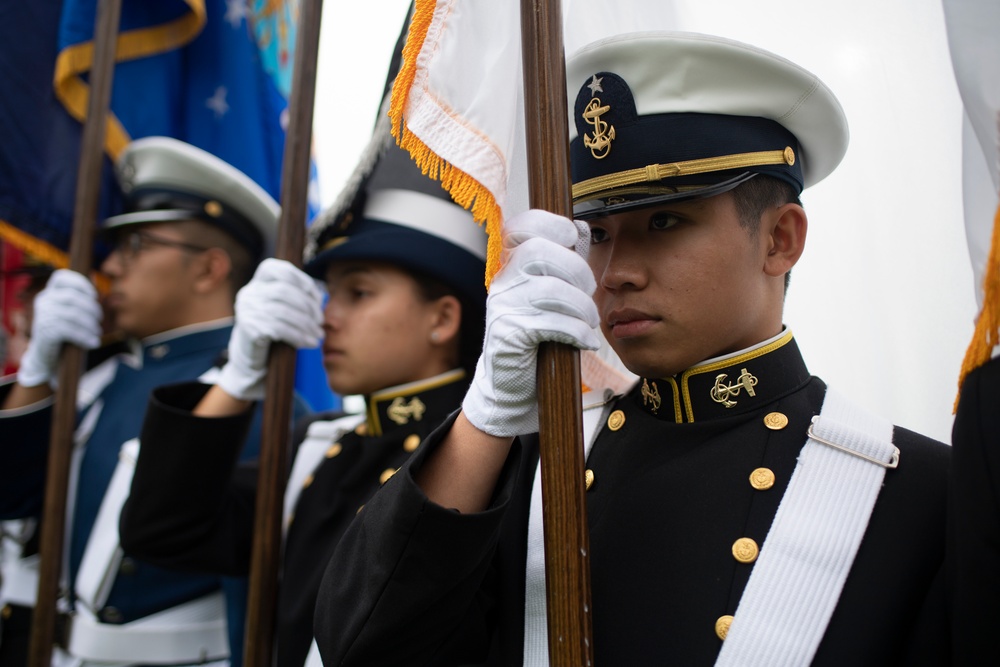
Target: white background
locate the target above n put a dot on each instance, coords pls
(882, 302)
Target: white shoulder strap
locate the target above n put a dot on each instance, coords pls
(103, 554)
(94, 381)
(596, 406)
(18, 573)
(804, 562)
(319, 437)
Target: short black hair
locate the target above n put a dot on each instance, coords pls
(757, 195)
(241, 259)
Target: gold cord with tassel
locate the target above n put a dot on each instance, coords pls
(984, 339)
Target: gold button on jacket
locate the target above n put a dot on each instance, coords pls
(745, 550)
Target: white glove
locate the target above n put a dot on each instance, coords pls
(66, 311)
(543, 293)
(279, 304)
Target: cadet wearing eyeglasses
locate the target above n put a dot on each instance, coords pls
(193, 232)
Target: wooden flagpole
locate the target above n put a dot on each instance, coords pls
(88, 184)
(567, 550)
(266, 556)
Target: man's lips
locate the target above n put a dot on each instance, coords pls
(626, 322)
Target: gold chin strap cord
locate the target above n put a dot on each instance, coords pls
(657, 172)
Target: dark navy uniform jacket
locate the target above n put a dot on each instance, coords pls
(210, 528)
(974, 547)
(140, 588)
(673, 489)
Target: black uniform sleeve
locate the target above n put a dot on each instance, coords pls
(410, 581)
(190, 507)
(974, 521)
(24, 455)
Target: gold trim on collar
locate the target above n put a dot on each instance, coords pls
(657, 172)
(419, 385)
(678, 414)
(402, 391)
(726, 363)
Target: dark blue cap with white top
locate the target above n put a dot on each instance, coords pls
(167, 180)
(666, 116)
(392, 212)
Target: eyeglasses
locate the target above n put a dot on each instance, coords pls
(129, 244)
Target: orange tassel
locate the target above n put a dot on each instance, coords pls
(464, 189)
(984, 339)
(47, 254)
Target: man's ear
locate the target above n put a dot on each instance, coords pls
(213, 269)
(785, 229)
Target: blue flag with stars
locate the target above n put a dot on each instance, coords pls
(213, 73)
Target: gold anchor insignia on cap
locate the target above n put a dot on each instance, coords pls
(600, 142)
(401, 413)
(651, 397)
(721, 392)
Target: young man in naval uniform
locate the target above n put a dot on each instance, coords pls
(193, 231)
(740, 512)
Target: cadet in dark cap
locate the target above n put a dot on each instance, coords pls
(740, 512)
(193, 231)
(403, 324)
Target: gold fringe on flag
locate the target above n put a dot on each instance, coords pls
(464, 189)
(985, 338)
(37, 248)
(74, 94)
(47, 253)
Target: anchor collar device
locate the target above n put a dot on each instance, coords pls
(415, 402)
(726, 386)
